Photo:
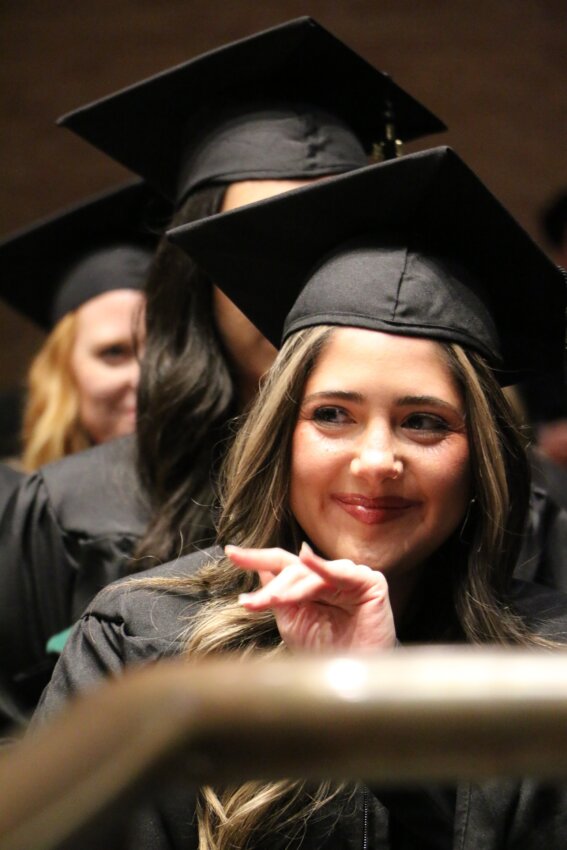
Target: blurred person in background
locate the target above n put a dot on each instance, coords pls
(80, 275)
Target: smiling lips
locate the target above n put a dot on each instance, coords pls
(373, 511)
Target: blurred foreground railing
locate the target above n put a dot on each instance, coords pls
(407, 715)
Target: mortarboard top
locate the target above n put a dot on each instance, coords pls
(104, 243)
(416, 246)
(283, 103)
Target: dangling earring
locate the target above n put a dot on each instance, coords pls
(470, 506)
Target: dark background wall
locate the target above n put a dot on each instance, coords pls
(493, 70)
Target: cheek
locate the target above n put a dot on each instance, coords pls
(314, 465)
(93, 382)
(83, 373)
(303, 465)
(96, 381)
(450, 483)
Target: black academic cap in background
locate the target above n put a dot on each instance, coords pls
(416, 246)
(290, 102)
(104, 243)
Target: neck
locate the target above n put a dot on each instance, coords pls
(423, 606)
(405, 595)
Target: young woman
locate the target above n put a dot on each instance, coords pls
(246, 121)
(80, 275)
(375, 494)
(83, 382)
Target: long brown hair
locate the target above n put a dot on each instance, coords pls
(474, 566)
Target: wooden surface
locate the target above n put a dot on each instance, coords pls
(410, 714)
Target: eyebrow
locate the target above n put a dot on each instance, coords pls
(403, 401)
(342, 395)
(432, 400)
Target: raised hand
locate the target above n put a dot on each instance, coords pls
(319, 605)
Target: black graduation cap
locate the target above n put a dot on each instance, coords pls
(290, 102)
(416, 246)
(63, 261)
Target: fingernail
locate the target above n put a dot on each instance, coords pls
(305, 549)
(243, 598)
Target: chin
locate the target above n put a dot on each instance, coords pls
(127, 428)
(388, 558)
(121, 430)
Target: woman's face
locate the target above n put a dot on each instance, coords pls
(380, 455)
(105, 363)
(250, 352)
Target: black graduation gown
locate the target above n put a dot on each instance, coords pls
(9, 480)
(543, 558)
(65, 533)
(135, 626)
(12, 712)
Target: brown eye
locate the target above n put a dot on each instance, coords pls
(426, 422)
(330, 415)
(115, 354)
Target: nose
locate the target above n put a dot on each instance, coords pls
(132, 374)
(376, 457)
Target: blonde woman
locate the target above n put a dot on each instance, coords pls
(375, 494)
(80, 276)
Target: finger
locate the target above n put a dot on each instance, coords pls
(288, 588)
(285, 590)
(333, 571)
(266, 576)
(273, 560)
(343, 574)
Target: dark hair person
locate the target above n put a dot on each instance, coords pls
(202, 367)
(252, 118)
(375, 494)
(261, 112)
